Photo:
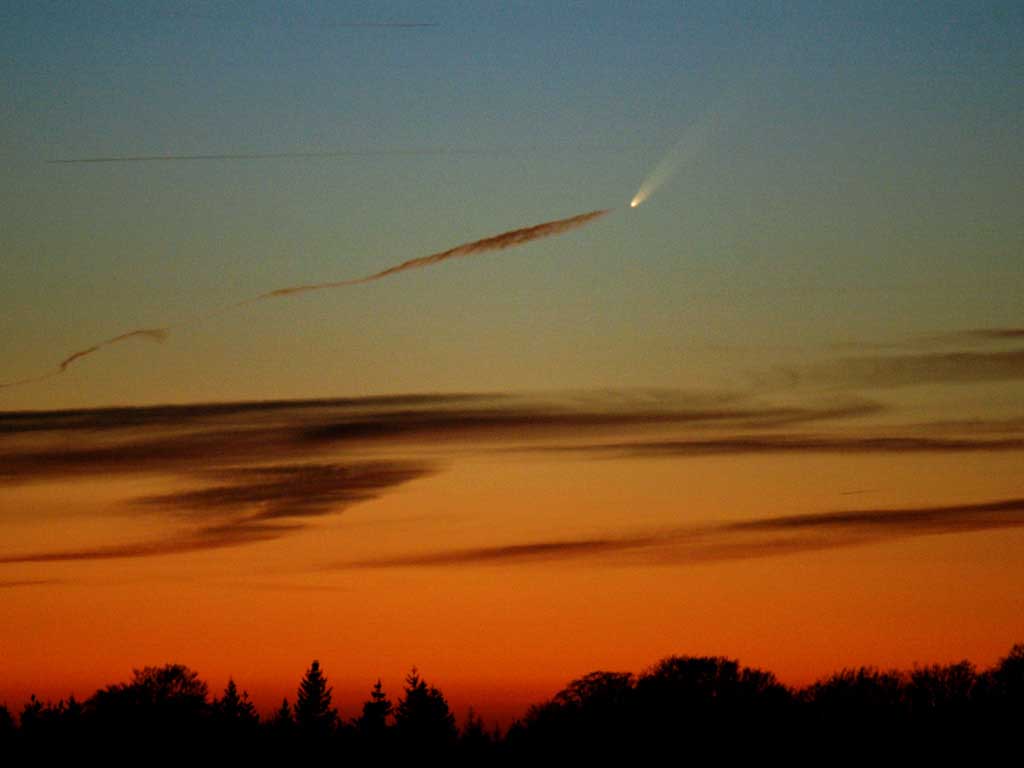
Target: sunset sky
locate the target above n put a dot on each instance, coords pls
(776, 412)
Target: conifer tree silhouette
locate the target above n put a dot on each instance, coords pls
(235, 710)
(313, 710)
(422, 718)
(373, 722)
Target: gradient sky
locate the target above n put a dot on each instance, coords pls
(820, 312)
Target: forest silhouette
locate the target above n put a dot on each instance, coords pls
(695, 705)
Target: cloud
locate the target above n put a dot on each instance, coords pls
(500, 242)
(969, 337)
(536, 551)
(248, 505)
(180, 439)
(152, 334)
(761, 537)
(785, 443)
(885, 371)
(242, 473)
(16, 583)
(290, 491)
(150, 416)
(211, 537)
(991, 334)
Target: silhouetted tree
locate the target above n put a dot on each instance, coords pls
(592, 714)
(941, 691)
(681, 706)
(7, 729)
(234, 707)
(166, 705)
(1008, 676)
(476, 745)
(31, 716)
(282, 719)
(313, 711)
(374, 720)
(422, 718)
(1000, 694)
(234, 714)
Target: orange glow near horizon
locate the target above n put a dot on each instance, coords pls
(500, 636)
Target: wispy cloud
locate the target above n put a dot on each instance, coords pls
(246, 506)
(969, 337)
(180, 439)
(288, 491)
(788, 443)
(500, 242)
(151, 334)
(18, 583)
(241, 473)
(505, 240)
(756, 538)
(885, 371)
(990, 334)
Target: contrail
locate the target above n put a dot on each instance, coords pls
(500, 242)
(262, 155)
(153, 334)
(335, 153)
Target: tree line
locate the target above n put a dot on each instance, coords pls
(682, 702)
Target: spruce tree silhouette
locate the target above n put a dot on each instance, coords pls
(475, 743)
(233, 711)
(282, 719)
(313, 711)
(422, 718)
(374, 721)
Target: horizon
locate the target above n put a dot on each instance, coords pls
(349, 703)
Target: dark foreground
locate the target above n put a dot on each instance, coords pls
(683, 708)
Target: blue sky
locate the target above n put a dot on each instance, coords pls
(867, 188)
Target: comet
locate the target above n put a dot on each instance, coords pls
(692, 144)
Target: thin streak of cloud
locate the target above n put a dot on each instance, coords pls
(151, 334)
(18, 583)
(757, 538)
(500, 242)
(887, 371)
(213, 537)
(996, 334)
(941, 519)
(198, 414)
(774, 444)
(288, 491)
(178, 157)
(532, 552)
(970, 336)
(494, 151)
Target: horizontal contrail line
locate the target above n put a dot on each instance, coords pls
(341, 153)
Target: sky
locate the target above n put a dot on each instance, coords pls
(774, 412)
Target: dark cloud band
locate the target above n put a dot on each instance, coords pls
(762, 537)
